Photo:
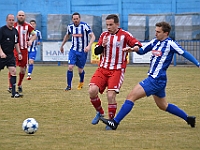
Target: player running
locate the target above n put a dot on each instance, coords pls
(163, 49)
(32, 50)
(81, 44)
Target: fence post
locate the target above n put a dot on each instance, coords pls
(174, 59)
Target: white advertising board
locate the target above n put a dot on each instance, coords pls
(141, 58)
(51, 51)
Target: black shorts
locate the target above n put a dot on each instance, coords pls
(9, 61)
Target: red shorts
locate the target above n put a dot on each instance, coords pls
(24, 61)
(112, 79)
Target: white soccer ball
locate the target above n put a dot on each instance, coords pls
(30, 125)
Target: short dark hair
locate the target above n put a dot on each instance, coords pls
(8, 15)
(114, 17)
(76, 13)
(166, 27)
(33, 21)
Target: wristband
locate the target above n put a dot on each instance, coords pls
(19, 53)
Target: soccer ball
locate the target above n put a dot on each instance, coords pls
(30, 125)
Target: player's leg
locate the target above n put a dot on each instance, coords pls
(115, 82)
(3, 63)
(12, 70)
(9, 75)
(30, 68)
(22, 64)
(21, 77)
(9, 84)
(97, 84)
(31, 56)
(69, 73)
(173, 109)
(81, 61)
(142, 89)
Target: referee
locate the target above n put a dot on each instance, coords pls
(9, 41)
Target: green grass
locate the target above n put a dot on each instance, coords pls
(64, 117)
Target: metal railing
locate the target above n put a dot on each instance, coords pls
(192, 46)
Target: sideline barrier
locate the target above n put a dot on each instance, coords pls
(51, 52)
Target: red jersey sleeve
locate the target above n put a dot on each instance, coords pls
(30, 29)
(131, 41)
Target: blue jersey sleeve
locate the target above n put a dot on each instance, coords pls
(191, 58)
(178, 49)
(146, 48)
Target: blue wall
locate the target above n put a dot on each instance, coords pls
(93, 7)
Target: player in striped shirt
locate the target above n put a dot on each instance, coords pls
(163, 49)
(32, 50)
(81, 44)
(24, 30)
(113, 61)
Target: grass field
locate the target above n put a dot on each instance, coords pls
(65, 117)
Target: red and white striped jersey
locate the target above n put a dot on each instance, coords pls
(24, 31)
(113, 57)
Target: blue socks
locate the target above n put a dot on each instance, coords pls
(125, 109)
(69, 78)
(173, 109)
(81, 75)
(30, 68)
(69, 75)
(128, 105)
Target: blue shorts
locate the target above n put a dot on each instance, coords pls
(154, 86)
(77, 58)
(32, 55)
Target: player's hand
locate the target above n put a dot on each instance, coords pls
(105, 41)
(127, 49)
(136, 48)
(20, 56)
(29, 43)
(87, 48)
(62, 49)
(3, 55)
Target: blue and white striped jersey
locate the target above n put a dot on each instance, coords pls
(162, 55)
(33, 47)
(80, 35)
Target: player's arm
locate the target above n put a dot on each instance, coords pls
(65, 39)
(133, 43)
(99, 48)
(33, 37)
(175, 46)
(92, 38)
(191, 58)
(2, 54)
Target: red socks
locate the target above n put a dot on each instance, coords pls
(112, 110)
(96, 102)
(21, 77)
